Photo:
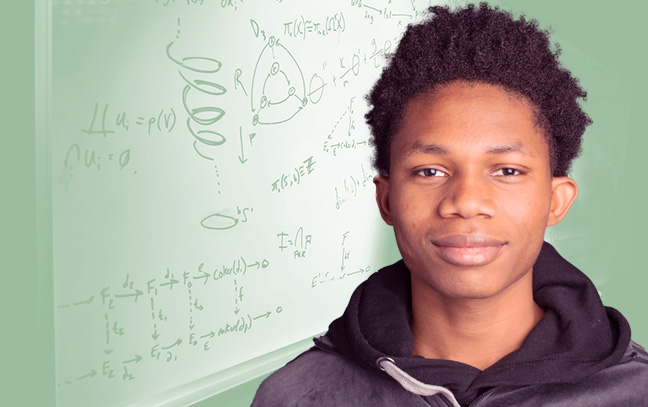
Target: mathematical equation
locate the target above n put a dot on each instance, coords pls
(224, 4)
(81, 156)
(338, 139)
(351, 185)
(299, 242)
(321, 279)
(161, 122)
(371, 12)
(300, 27)
(166, 3)
(155, 297)
(294, 178)
(325, 278)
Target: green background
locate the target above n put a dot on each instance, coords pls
(610, 34)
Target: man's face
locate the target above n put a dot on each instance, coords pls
(470, 190)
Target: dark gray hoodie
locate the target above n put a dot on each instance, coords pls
(579, 354)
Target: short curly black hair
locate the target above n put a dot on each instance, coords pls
(485, 45)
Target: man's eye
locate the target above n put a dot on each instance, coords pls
(431, 172)
(508, 172)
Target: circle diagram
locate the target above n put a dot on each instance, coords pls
(278, 87)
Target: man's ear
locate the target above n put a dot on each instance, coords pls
(382, 197)
(563, 193)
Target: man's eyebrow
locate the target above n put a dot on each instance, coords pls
(510, 148)
(418, 147)
(436, 149)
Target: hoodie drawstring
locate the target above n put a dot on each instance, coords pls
(411, 384)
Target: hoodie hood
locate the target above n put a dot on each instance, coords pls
(576, 337)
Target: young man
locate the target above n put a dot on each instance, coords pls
(475, 126)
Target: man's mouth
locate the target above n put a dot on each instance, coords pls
(468, 250)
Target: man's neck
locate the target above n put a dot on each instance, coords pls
(477, 332)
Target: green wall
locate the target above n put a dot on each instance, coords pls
(27, 350)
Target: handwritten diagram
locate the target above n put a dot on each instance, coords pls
(278, 90)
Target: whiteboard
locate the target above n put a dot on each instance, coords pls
(212, 195)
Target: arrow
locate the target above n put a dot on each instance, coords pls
(285, 76)
(241, 157)
(170, 282)
(136, 294)
(205, 276)
(299, 109)
(266, 315)
(270, 103)
(88, 301)
(210, 334)
(91, 374)
(178, 342)
(236, 311)
(373, 8)
(155, 335)
(136, 359)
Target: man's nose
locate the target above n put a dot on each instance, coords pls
(468, 196)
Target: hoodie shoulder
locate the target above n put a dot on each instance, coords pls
(324, 378)
(620, 385)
